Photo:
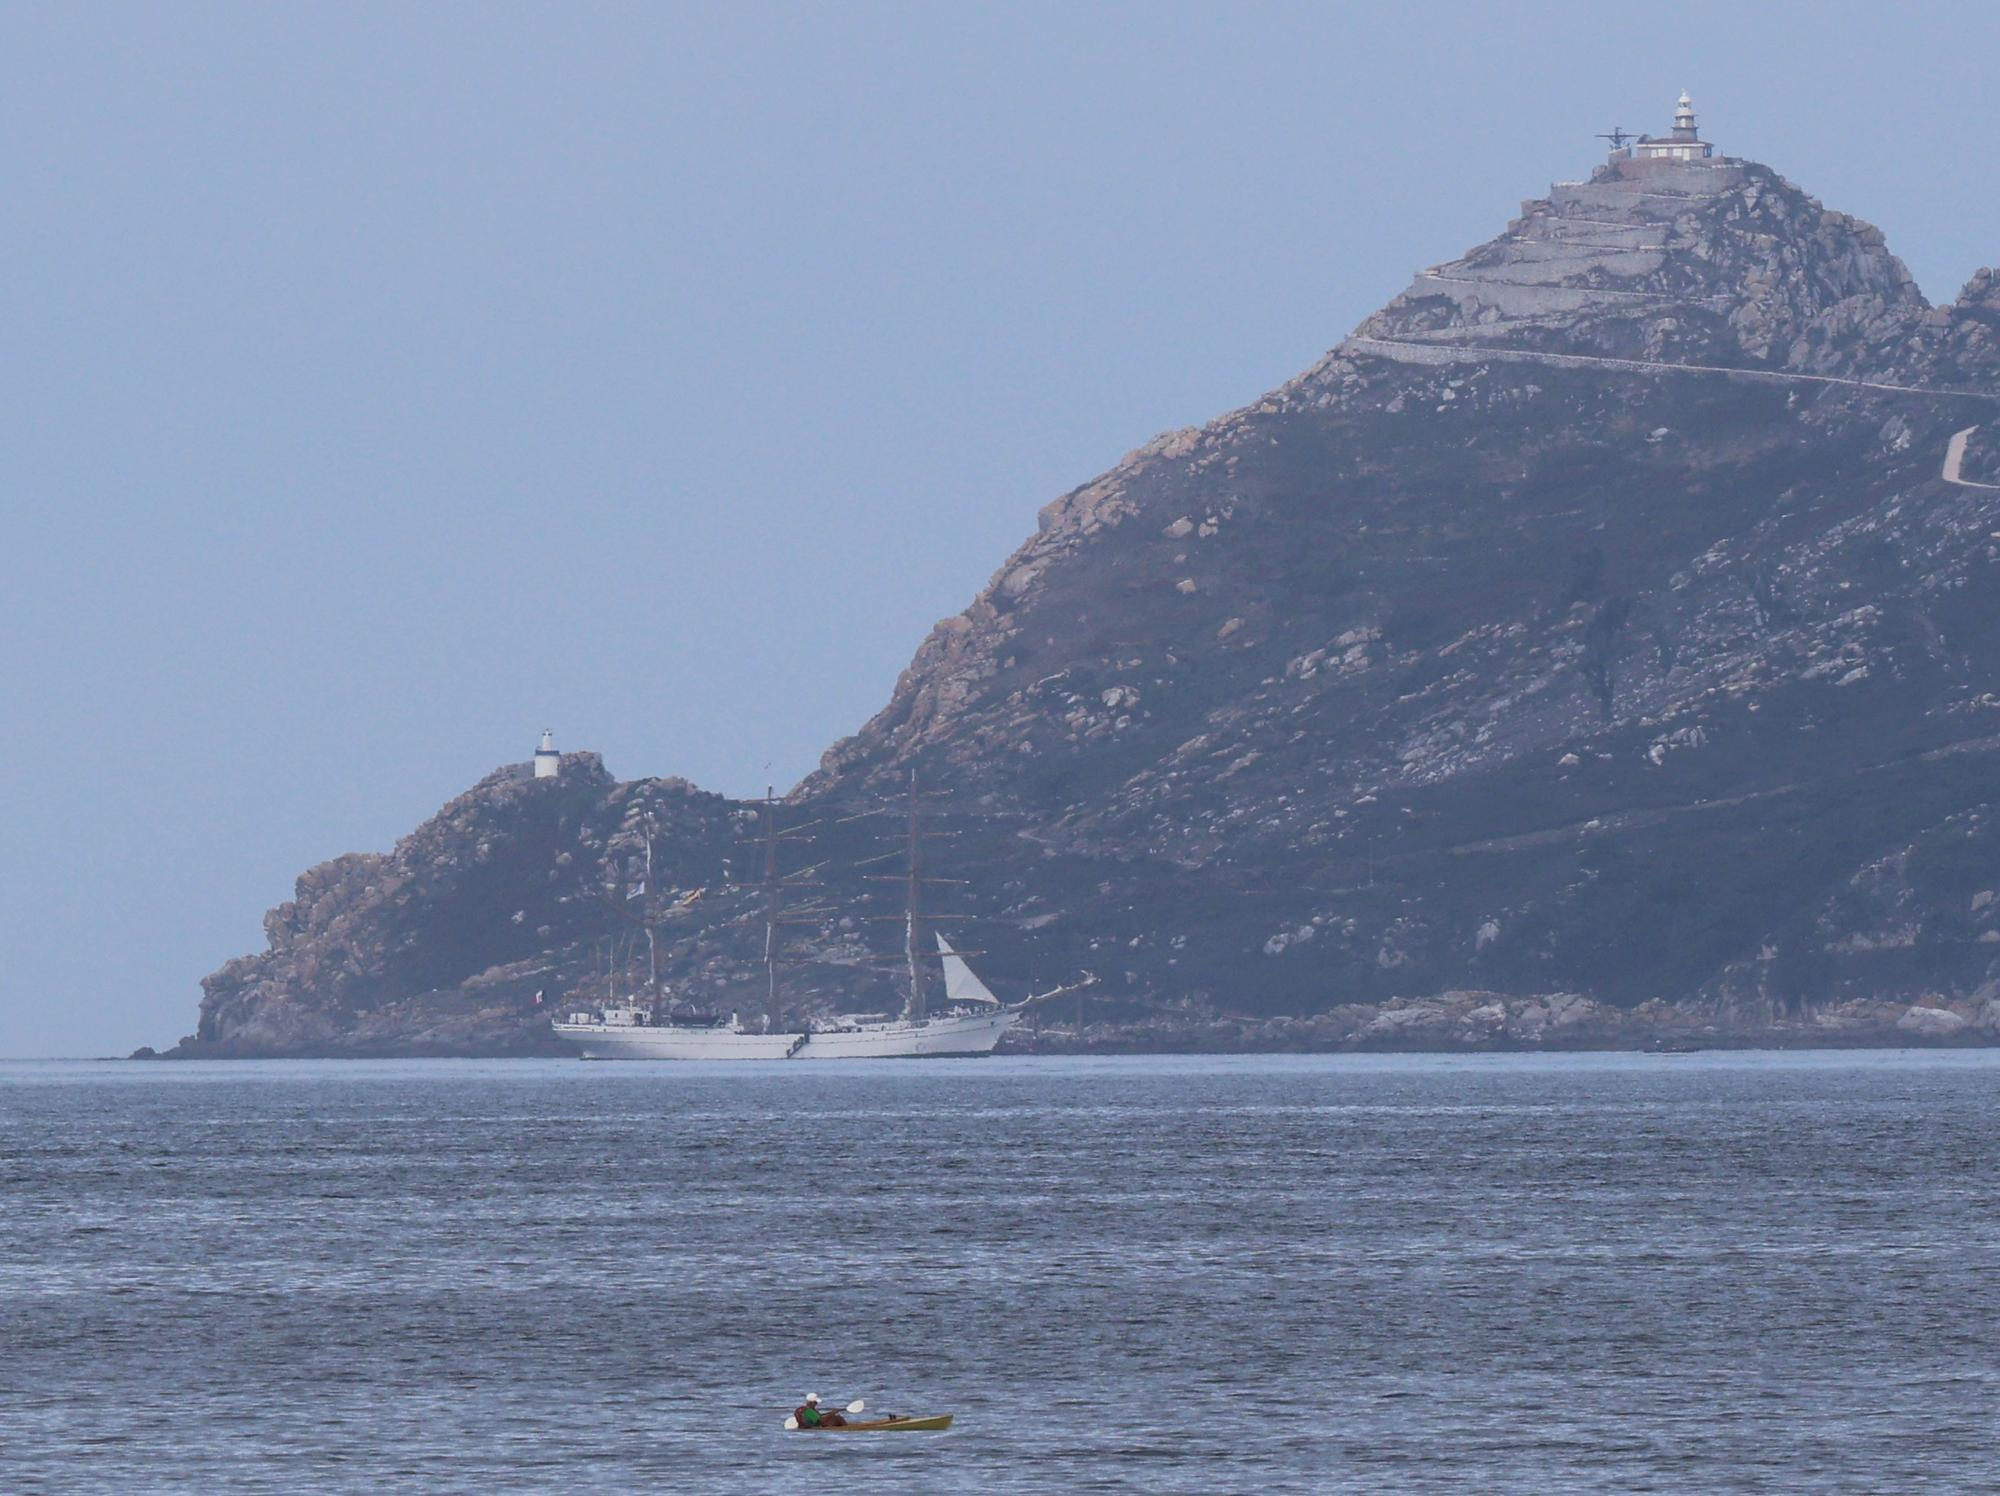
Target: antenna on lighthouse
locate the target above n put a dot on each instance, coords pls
(547, 760)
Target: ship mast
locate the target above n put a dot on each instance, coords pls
(652, 949)
(917, 951)
(776, 883)
(914, 1010)
(773, 1012)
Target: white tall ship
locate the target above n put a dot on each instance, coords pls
(969, 1021)
(972, 1023)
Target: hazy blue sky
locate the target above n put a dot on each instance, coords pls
(384, 383)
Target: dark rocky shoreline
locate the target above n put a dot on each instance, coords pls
(1455, 1023)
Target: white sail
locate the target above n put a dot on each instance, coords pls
(960, 985)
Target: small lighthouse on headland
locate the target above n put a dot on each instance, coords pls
(547, 760)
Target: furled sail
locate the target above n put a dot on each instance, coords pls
(960, 985)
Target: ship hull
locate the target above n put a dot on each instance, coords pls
(973, 1034)
(666, 1042)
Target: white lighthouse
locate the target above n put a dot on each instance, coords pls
(1685, 144)
(547, 760)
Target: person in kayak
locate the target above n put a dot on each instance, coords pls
(809, 1415)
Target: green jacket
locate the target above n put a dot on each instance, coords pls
(807, 1415)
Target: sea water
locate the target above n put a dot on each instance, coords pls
(1697, 1273)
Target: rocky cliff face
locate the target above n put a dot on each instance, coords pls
(1597, 642)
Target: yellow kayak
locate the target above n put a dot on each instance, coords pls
(880, 1425)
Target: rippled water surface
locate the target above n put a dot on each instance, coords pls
(1590, 1273)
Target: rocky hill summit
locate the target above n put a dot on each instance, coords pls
(1600, 645)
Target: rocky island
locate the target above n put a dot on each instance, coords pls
(1599, 647)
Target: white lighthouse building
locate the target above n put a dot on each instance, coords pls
(547, 760)
(1685, 144)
